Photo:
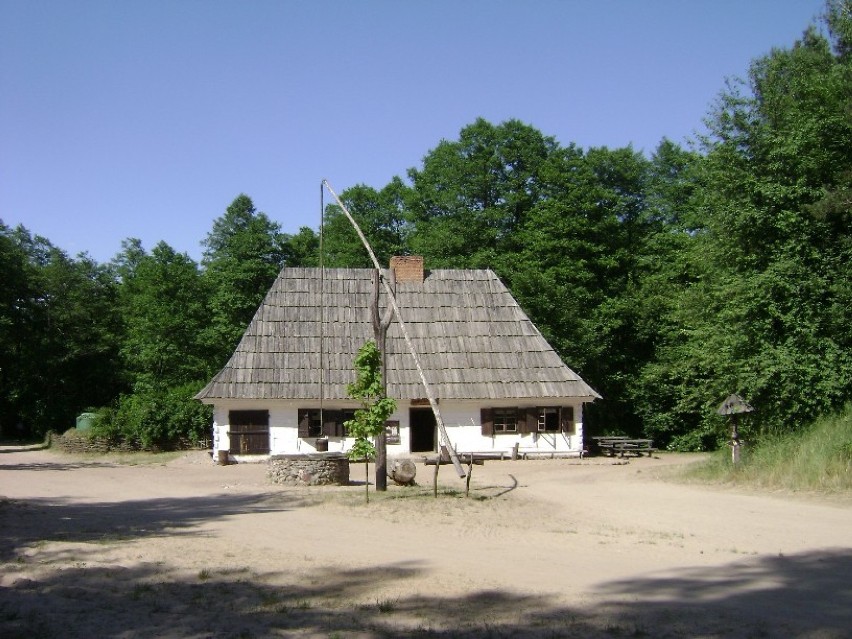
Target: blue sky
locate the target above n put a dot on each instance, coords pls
(146, 118)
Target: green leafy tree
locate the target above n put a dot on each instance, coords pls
(243, 254)
(163, 303)
(164, 308)
(767, 312)
(471, 195)
(667, 266)
(381, 217)
(302, 249)
(59, 337)
(368, 421)
(17, 310)
(578, 256)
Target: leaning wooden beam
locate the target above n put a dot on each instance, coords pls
(404, 329)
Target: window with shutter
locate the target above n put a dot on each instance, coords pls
(542, 419)
(326, 423)
(548, 419)
(310, 424)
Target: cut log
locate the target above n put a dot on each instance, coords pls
(402, 472)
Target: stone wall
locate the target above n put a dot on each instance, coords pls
(74, 441)
(71, 442)
(318, 469)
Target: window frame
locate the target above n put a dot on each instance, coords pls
(543, 412)
(505, 420)
(323, 423)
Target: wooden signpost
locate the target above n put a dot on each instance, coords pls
(731, 407)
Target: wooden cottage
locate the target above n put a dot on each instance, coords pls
(497, 381)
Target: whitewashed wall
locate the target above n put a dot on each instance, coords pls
(462, 420)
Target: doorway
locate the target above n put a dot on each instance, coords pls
(422, 427)
(249, 432)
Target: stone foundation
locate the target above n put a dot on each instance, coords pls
(317, 469)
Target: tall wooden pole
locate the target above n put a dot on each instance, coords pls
(380, 332)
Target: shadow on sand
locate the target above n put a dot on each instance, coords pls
(802, 596)
(23, 523)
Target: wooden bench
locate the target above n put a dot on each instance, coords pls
(551, 454)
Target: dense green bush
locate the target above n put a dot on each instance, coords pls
(156, 417)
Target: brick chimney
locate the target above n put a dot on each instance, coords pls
(407, 268)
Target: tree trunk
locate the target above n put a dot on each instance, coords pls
(367, 480)
(380, 331)
(381, 462)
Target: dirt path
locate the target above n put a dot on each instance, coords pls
(555, 548)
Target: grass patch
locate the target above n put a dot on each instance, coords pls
(138, 458)
(386, 605)
(815, 459)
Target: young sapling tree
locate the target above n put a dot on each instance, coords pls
(368, 421)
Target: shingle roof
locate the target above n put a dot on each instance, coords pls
(473, 339)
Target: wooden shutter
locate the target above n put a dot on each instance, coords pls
(528, 420)
(332, 423)
(304, 422)
(566, 418)
(486, 416)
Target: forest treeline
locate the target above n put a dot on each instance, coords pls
(667, 281)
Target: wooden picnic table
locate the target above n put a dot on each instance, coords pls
(621, 446)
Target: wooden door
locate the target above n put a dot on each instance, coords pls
(249, 432)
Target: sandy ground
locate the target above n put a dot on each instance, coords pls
(90, 547)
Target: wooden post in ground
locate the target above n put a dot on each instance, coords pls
(367, 479)
(435, 478)
(735, 441)
(732, 407)
(381, 462)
